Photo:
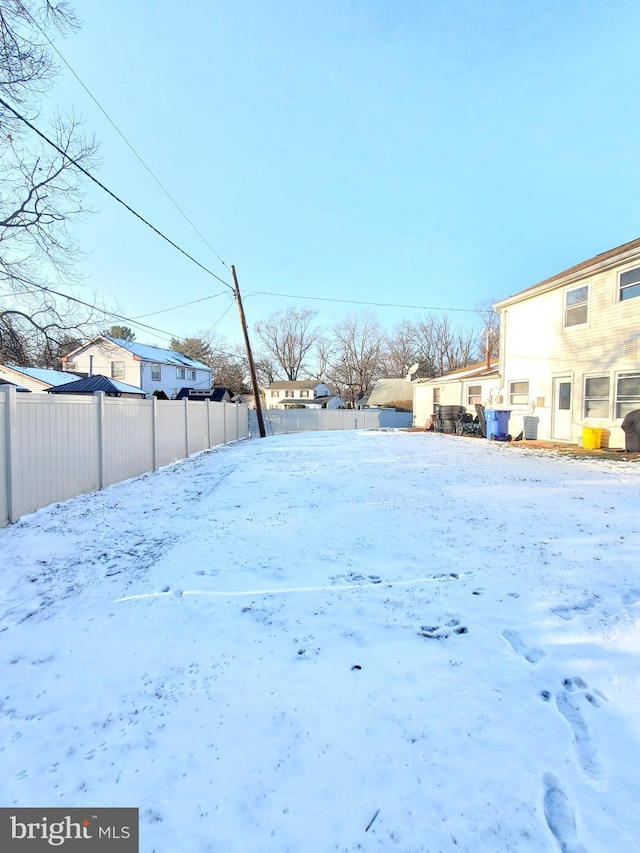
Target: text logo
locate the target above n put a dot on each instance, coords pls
(74, 830)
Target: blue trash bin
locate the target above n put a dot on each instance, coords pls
(491, 424)
(497, 421)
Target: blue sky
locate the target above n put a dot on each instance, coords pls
(427, 153)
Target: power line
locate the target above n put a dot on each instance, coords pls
(115, 316)
(182, 305)
(361, 302)
(124, 138)
(109, 192)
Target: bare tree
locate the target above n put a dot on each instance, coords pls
(489, 344)
(357, 359)
(41, 188)
(266, 369)
(441, 347)
(288, 337)
(401, 350)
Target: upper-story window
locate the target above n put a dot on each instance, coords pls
(289, 394)
(191, 375)
(274, 393)
(629, 284)
(155, 372)
(117, 369)
(304, 393)
(576, 305)
(180, 373)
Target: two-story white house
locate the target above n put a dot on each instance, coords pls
(309, 393)
(570, 349)
(147, 367)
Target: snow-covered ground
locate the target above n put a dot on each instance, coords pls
(334, 642)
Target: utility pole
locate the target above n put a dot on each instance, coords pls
(247, 346)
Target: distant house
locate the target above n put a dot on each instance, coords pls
(215, 395)
(396, 393)
(570, 349)
(91, 384)
(476, 383)
(143, 366)
(38, 379)
(308, 393)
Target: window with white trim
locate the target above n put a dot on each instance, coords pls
(627, 394)
(629, 284)
(117, 369)
(596, 397)
(474, 395)
(180, 373)
(519, 393)
(191, 375)
(576, 306)
(274, 393)
(155, 372)
(436, 396)
(304, 393)
(289, 394)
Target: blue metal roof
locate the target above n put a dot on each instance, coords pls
(157, 354)
(44, 374)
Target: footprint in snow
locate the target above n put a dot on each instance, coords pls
(437, 632)
(631, 597)
(570, 611)
(515, 641)
(560, 816)
(570, 701)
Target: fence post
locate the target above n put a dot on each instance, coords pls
(186, 427)
(100, 397)
(154, 430)
(208, 405)
(12, 452)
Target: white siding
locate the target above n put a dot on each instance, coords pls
(536, 347)
(97, 358)
(452, 393)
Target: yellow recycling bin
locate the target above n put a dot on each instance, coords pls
(591, 438)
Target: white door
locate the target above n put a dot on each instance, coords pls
(562, 408)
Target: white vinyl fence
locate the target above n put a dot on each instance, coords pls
(54, 447)
(279, 421)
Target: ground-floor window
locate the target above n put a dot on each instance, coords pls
(596, 397)
(519, 393)
(627, 394)
(474, 395)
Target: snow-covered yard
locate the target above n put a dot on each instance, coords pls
(334, 642)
